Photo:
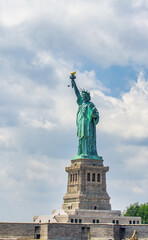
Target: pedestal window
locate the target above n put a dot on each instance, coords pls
(98, 177)
(76, 177)
(70, 177)
(93, 177)
(88, 177)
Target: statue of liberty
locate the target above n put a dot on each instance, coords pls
(87, 119)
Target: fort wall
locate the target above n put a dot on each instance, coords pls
(17, 230)
(142, 231)
(68, 231)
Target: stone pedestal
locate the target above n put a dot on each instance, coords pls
(86, 188)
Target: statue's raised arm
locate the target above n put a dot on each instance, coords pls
(77, 92)
(73, 84)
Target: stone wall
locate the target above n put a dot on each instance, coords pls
(83, 231)
(102, 232)
(142, 231)
(100, 216)
(67, 231)
(17, 230)
(43, 231)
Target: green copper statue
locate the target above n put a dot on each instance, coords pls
(87, 119)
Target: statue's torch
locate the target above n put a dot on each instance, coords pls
(72, 77)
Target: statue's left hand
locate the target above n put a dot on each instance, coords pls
(94, 113)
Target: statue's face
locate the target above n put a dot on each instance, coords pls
(85, 97)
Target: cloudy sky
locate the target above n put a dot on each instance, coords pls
(41, 42)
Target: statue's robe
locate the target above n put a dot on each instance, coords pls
(87, 118)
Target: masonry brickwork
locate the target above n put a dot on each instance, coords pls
(86, 187)
(67, 231)
(18, 230)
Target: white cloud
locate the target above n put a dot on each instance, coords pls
(138, 190)
(127, 116)
(137, 161)
(87, 29)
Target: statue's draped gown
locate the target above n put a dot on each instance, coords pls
(87, 118)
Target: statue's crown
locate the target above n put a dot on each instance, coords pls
(83, 91)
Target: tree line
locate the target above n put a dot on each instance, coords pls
(138, 210)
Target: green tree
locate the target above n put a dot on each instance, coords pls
(138, 210)
(143, 212)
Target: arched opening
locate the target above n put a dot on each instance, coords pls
(76, 177)
(88, 177)
(98, 177)
(70, 177)
(93, 177)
